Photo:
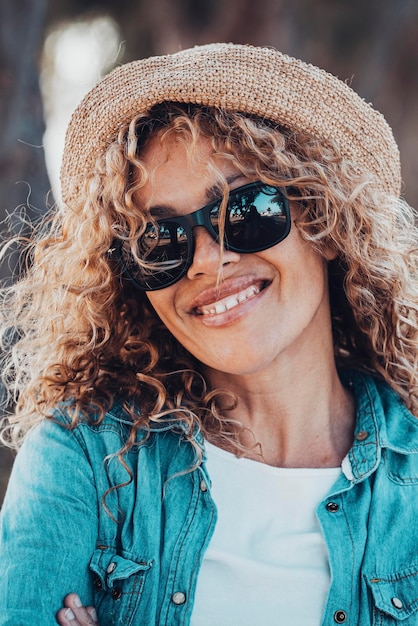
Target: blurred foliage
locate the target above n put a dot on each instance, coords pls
(372, 44)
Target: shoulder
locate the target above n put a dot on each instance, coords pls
(57, 439)
(99, 437)
(113, 425)
(377, 400)
(386, 432)
(396, 425)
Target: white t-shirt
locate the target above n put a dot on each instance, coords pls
(267, 563)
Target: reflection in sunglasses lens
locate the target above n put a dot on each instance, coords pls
(255, 219)
(165, 243)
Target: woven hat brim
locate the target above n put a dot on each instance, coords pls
(258, 81)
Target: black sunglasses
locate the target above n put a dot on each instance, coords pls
(257, 217)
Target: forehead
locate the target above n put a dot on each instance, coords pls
(169, 149)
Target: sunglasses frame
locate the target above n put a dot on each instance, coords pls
(201, 217)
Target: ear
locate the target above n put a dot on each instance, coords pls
(329, 253)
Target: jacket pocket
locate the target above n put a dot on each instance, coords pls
(118, 583)
(395, 597)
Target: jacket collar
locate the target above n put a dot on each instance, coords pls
(382, 422)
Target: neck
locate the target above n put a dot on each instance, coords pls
(300, 416)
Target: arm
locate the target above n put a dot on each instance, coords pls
(48, 528)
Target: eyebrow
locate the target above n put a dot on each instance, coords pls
(213, 193)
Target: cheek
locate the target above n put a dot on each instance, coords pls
(303, 284)
(158, 302)
(312, 283)
(163, 304)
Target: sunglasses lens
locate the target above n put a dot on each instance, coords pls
(164, 248)
(257, 218)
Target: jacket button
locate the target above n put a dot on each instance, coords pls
(397, 603)
(97, 583)
(332, 507)
(111, 568)
(116, 593)
(179, 597)
(362, 435)
(203, 486)
(340, 617)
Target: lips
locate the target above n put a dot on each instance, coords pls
(226, 297)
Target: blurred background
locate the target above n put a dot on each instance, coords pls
(52, 52)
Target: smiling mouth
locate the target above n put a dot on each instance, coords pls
(231, 301)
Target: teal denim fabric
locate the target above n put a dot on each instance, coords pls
(137, 558)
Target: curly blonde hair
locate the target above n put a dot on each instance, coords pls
(75, 331)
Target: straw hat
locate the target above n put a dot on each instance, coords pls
(260, 81)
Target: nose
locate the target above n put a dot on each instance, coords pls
(207, 257)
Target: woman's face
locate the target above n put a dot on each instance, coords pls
(268, 305)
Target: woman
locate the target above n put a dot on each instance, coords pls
(215, 355)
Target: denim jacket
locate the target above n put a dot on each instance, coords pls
(136, 554)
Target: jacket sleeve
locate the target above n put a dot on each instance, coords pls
(48, 528)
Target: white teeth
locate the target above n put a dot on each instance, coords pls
(229, 302)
